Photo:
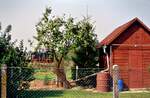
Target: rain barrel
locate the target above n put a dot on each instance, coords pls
(120, 85)
(103, 80)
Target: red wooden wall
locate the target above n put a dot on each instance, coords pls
(131, 51)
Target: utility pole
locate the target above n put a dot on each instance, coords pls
(87, 16)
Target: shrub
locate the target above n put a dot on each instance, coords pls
(46, 80)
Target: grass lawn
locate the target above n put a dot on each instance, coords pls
(40, 74)
(76, 94)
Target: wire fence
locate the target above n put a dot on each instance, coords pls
(85, 82)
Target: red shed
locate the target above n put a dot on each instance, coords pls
(129, 47)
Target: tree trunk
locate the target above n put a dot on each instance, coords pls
(60, 72)
(61, 77)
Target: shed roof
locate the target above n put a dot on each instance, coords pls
(111, 37)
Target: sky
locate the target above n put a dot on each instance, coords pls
(106, 15)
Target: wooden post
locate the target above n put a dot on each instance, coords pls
(3, 81)
(115, 81)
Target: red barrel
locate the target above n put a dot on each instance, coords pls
(103, 80)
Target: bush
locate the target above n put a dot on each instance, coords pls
(16, 60)
(46, 80)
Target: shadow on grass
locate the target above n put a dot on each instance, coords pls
(40, 93)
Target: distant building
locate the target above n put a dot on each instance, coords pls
(41, 56)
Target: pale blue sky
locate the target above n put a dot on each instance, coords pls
(107, 14)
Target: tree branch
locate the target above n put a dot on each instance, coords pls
(55, 55)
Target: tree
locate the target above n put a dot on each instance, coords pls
(16, 61)
(58, 35)
(86, 53)
(61, 35)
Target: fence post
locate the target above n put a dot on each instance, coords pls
(115, 81)
(3, 81)
(76, 72)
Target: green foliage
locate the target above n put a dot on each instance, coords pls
(86, 53)
(57, 34)
(61, 35)
(46, 80)
(86, 36)
(9, 54)
(16, 61)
